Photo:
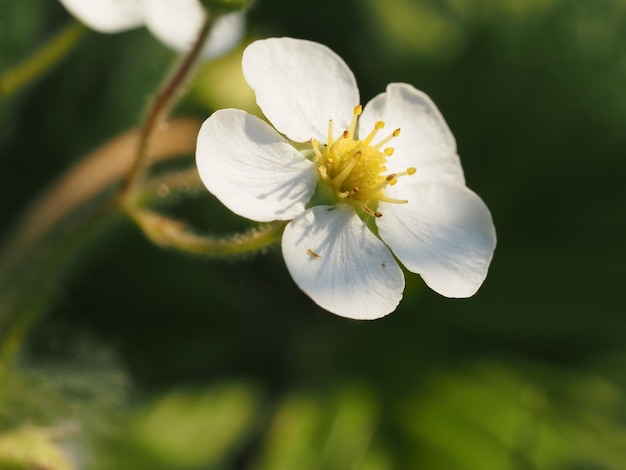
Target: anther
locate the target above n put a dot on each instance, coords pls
(389, 151)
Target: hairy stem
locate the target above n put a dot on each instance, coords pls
(160, 106)
(171, 233)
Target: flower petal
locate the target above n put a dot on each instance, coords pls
(177, 24)
(300, 85)
(251, 169)
(227, 32)
(336, 260)
(445, 233)
(107, 16)
(425, 142)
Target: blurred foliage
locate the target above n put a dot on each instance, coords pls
(228, 365)
(25, 449)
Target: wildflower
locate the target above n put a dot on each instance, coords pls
(356, 183)
(175, 23)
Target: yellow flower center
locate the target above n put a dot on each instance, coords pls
(355, 169)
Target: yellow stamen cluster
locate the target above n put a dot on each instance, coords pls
(355, 169)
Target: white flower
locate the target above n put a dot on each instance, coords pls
(412, 193)
(176, 23)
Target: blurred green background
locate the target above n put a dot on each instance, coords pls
(168, 361)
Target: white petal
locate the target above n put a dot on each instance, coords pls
(425, 141)
(107, 16)
(300, 85)
(445, 233)
(251, 169)
(226, 33)
(178, 23)
(336, 260)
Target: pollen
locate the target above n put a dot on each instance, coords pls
(355, 168)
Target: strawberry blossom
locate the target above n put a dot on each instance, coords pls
(358, 184)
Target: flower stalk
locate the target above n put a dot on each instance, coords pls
(22, 279)
(171, 233)
(160, 107)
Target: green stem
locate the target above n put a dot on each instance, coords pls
(23, 281)
(159, 108)
(167, 187)
(171, 233)
(45, 58)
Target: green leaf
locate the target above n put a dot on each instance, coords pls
(191, 429)
(330, 431)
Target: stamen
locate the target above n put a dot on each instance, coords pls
(341, 177)
(343, 136)
(392, 179)
(409, 171)
(371, 212)
(395, 133)
(323, 173)
(383, 198)
(356, 169)
(378, 126)
(377, 187)
(316, 148)
(330, 133)
(357, 112)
